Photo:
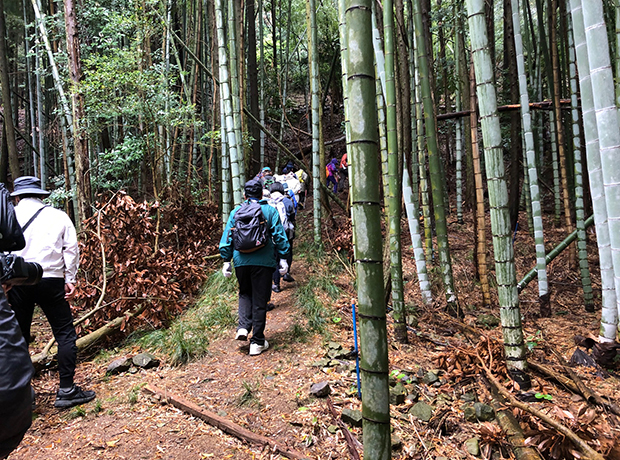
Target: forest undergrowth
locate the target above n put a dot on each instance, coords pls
(439, 384)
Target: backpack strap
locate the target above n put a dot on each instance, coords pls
(34, 217)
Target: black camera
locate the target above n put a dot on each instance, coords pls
(14, 270)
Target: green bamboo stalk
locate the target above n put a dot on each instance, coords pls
(609, 312)
(345, 100)
(582, 253)
(532, 173)
(437, 183)
(617, 52)
(261, 102)
(413, 211)
(225, 160)
(226, 98)
(459, 122)
(554, 253)
(510, 313)
(414, 122)
(606, 121)
(313, 56)
(394, 182)
(235, 86)
(368, 240)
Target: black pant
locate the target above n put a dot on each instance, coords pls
(254, 293)
(49, 294)
(289, 260)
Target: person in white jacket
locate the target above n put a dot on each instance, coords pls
(51, 241)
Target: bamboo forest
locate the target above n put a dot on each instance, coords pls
(440, 215)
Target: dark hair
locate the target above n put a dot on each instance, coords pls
(276, 187)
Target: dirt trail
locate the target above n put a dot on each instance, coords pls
(131, 425)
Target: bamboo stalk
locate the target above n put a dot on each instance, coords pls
(553, 254)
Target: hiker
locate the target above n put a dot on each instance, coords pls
(263, 172)
(254, 267)
(51, 241)
(15, 390)
(302, 177)
(286, 210)
(332, 173)
(289, 168)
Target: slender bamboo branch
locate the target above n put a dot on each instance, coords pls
(533, 273)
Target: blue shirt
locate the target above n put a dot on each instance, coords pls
(277, 246)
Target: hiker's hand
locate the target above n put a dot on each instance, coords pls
(226, 270)
(283, 267)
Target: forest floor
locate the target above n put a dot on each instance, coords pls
(269, 394)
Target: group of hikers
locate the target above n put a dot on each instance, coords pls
(258, 239)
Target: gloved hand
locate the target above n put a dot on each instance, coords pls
(227, 270)
(283, 267)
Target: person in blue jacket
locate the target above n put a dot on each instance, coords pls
(255, 269)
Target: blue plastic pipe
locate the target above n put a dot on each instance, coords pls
(357, 354)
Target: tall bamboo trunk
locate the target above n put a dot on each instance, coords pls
(480, 225)
(606, 121)
(226, 101)
(367, 216)
(568, 222)
(510, 313)
(609, 313)
(532, 172)
(313, 57)
(235, 85)
(582, 253)
(394, 182)
(438, 186)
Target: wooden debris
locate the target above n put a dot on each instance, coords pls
(583, 446)
(223, 424)
(347, 435)
(511, 427)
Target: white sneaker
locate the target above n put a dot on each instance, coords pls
(256, 349)
(242, 334)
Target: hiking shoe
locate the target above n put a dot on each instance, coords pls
(275, 288)
(73, 397)
(270, 306)
(256, 349)
(242, 334)
(288, 278)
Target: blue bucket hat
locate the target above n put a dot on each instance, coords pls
(28, 185)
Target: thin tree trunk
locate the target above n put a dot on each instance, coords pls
(80, 138)
(9, 127)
